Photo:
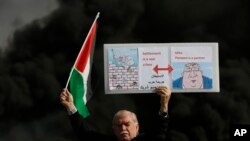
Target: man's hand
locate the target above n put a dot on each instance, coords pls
(67, 100)
(165, 94)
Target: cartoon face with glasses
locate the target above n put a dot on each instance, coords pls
(192, 77)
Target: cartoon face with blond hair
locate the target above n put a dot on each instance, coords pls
(192, 76)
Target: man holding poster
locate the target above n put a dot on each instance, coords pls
(125, 124)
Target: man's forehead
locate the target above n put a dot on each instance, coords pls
(123, 121)
(190, 66)
(124, 117)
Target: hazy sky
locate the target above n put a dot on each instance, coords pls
(16, 13)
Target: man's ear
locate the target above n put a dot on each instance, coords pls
(137, 128)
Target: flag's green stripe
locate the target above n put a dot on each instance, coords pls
(77, 90)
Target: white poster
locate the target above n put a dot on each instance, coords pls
(140, 68)
(123, 68)
(153, 68)
(192, 67)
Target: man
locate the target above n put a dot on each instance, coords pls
(192, 77)
(125, 123)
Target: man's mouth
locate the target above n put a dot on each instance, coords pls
(123, 133)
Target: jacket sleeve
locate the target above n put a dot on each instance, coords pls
(163, 126)
(82, 128)
(158, 132)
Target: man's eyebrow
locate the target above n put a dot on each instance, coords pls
(118, 124)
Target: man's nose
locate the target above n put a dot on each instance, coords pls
(123, 127)
(192, 73)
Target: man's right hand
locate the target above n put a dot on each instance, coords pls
(67, 100)
(165, 93)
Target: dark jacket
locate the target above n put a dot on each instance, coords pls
(85, 133)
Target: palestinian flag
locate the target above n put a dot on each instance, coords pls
(79, 75)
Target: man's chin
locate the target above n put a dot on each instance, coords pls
(125, 138)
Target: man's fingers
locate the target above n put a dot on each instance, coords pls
(64, 94)
(163, 91)
(62, 98)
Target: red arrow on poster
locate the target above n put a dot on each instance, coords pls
(169, 69)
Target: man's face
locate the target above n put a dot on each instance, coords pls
(125, 128)
(192, 76)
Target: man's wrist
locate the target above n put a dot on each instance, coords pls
(72, 111)
(164, 100)
(164, 108)
(163, 114)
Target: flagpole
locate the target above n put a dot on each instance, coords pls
(97, 16)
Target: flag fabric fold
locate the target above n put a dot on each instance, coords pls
(79, 75)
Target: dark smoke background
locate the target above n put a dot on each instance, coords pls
(36, 64)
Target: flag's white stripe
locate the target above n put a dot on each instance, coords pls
(85, 75)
